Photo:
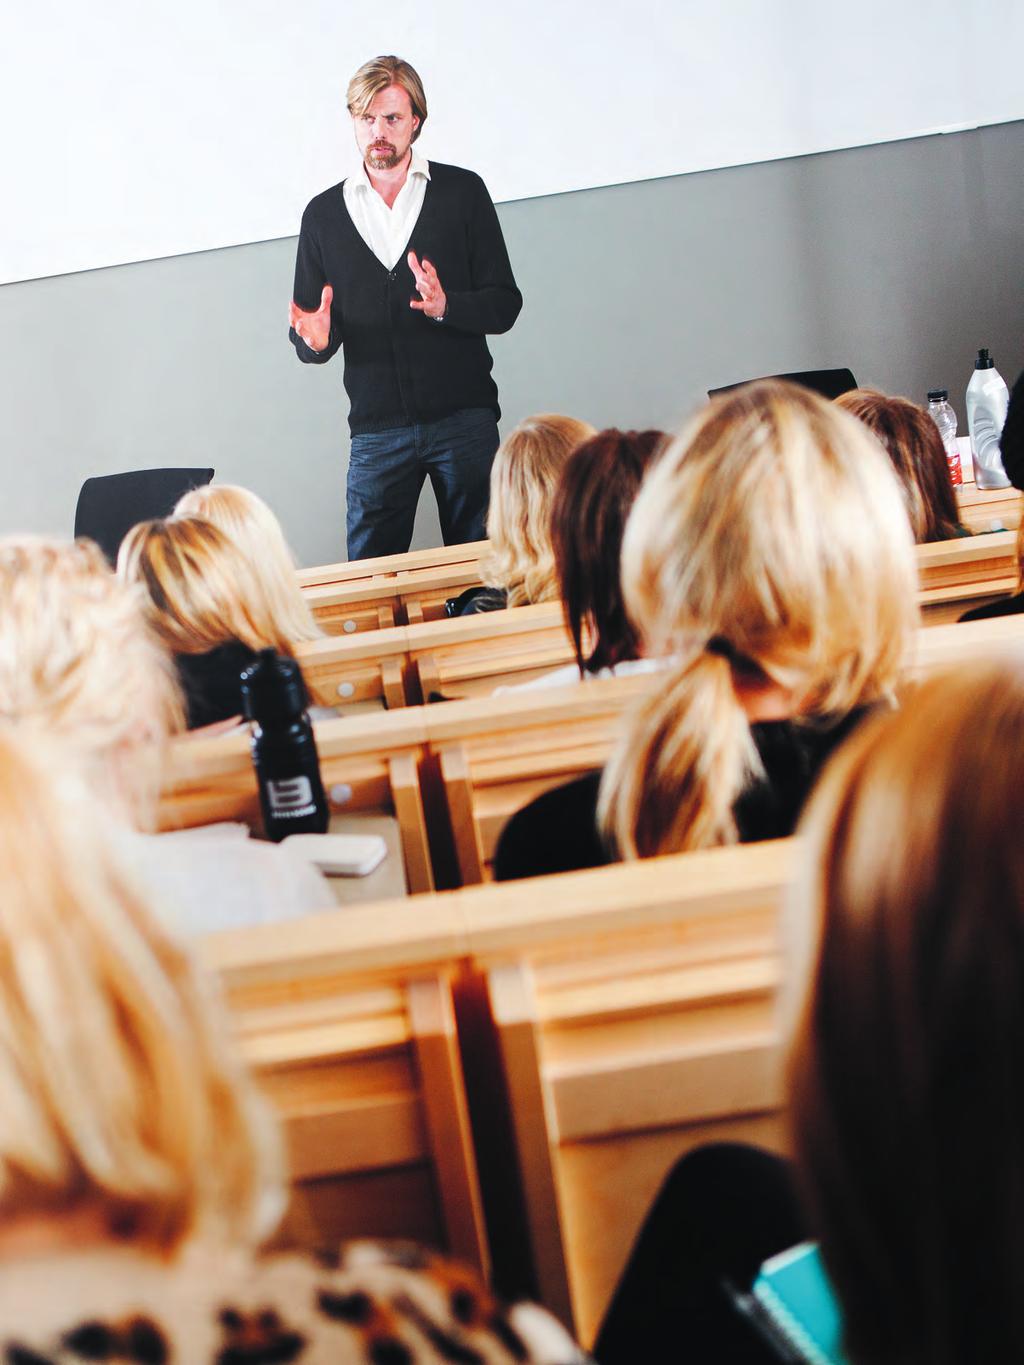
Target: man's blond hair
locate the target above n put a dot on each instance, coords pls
(376, 75)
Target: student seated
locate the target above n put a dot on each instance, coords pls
(593, 498)
(903, 956)
(520, 567)
(203, 600)
(768, 555)
(81, 666)
(253, 527)
(912, 441)
(140, 1168)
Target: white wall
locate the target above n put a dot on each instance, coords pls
(140, 130)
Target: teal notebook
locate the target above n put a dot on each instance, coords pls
(794, 1292)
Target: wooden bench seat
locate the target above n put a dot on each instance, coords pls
(491, 755)
(614, 1017)
(988, 509)
(495, 755)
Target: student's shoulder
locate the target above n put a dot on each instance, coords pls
(1003, 606)
(556, 832)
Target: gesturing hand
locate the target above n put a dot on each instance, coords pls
(313, 327)
(432, 299)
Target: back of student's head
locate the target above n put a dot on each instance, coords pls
(79, 663)
(200, 590)
(122, 1096)
(592, 500)
(768, 546)
(906, 978)
(255, 529)
(912, 441)
(524, 476)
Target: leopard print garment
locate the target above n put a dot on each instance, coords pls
(372, 1305)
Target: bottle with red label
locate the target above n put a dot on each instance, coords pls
(945, 419)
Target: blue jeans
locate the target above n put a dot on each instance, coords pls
(386, 471)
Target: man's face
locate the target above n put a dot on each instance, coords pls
(385, 132)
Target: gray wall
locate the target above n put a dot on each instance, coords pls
(898, 260)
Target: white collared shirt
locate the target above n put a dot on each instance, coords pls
(386, 231)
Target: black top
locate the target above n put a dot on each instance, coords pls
(1004, 606)
(1011, 444)
(402, 367)
(558, 831)
(212, 682)
(476, 600)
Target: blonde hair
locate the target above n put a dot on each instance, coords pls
(257, 532)
(524, 478)
(120, 1089)
(200, 588)
(79, 662)
(904, 980)
(376, 75)
(769, 544)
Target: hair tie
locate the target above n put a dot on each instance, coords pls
(719, 645)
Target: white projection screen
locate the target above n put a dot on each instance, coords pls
(135, 129)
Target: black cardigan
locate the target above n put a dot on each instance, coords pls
(402, 367)
(558, 831)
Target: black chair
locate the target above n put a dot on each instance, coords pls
(111, 504)
(829, 383)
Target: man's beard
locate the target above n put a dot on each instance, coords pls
(380, 160)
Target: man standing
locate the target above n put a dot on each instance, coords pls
(417, 367)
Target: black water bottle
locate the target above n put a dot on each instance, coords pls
(283, 748)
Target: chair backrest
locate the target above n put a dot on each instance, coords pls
(351, 1032)
(352, 570)
(829, 383)
(109, 505)
(405, 598)
(956, 575)
(989, 509)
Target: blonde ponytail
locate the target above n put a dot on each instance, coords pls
(769, 541)
(671, 782)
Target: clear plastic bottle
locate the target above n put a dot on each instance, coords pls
(987, 401)
(945, 419)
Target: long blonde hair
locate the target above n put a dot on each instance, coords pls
(200, 589)
(524, 477)
(769, 544)
(254, 528)
(120, 1089)
(903, 997)
(80, 663)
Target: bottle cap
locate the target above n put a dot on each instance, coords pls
(984, 360)
(273, 689)
(938, 395)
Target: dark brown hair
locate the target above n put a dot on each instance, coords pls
(914, 445)
(588, 515)
(907, 1075)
